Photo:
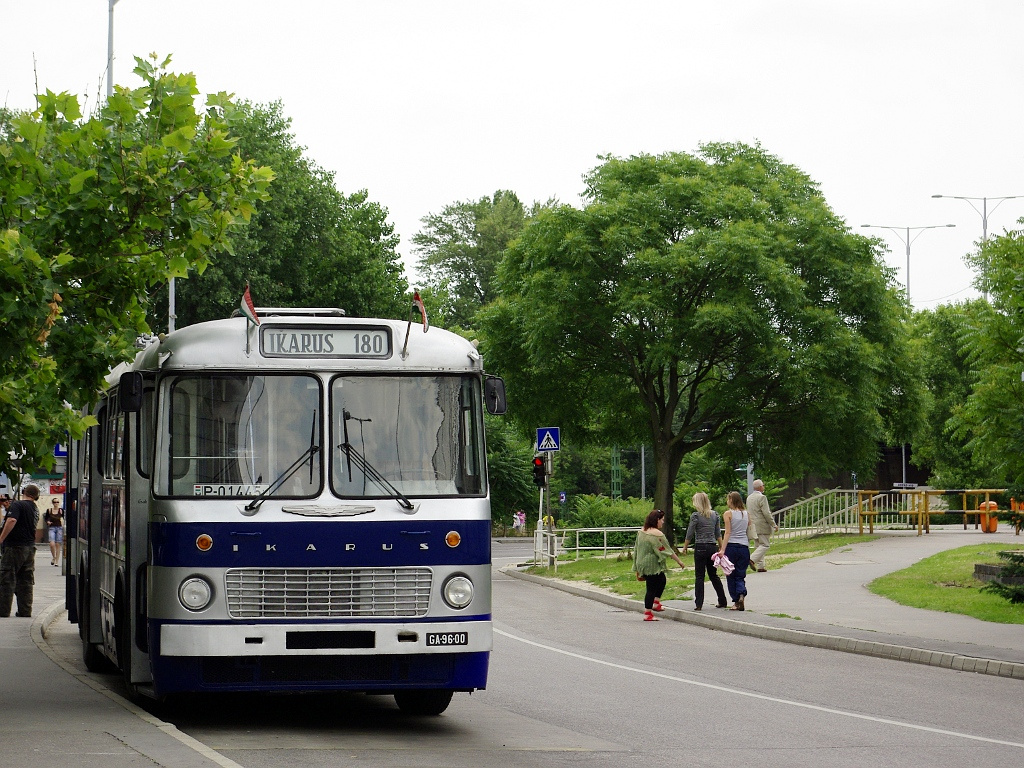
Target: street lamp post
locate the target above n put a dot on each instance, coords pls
(984, 208)
(983, 212)
(903, 233)
(171, 316)
(110, 47)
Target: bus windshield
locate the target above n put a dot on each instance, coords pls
(423, 435)
(239, 435)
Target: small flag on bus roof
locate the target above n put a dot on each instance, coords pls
(247, 307)
(417, 303)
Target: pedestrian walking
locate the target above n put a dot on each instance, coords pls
(764, 525)
(736, 546)
(705, 531)
(54, 518)
(650, 554)
(18, 562)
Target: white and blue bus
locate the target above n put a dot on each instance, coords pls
(299, 505)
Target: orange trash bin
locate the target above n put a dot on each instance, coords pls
(989, 522)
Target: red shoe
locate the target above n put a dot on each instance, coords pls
(648, 616)
(658, 606)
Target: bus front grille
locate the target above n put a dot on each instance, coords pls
(277, 593)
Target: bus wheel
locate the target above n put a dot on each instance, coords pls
(91, 656)
(432, 702)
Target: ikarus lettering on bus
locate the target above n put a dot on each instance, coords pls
(321, 342)
(292, 343)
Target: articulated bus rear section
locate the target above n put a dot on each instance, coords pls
(296, 506)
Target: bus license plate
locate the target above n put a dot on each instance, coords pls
(447, 638)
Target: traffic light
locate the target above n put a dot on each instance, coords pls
(539, 471)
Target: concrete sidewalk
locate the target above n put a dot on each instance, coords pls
(54, 713)
(829, 606)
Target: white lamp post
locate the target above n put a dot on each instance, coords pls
(171, 316)
(983, 212)
(110, 47)
(903, 233)
(984, 208)
(907, 240)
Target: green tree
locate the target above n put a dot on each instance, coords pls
(697, 299)
(308, 245)
(991, 419)
(94, 212)
(944, 337)
(460, 249)
(509, 462)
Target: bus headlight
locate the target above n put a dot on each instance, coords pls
(195, 593)
(458, 592)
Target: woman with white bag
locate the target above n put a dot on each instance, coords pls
(736, 546)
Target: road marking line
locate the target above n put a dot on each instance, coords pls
(761, 696)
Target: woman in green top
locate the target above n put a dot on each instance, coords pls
(649, 556)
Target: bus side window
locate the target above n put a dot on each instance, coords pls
(181, 433)
(86, 484)
(101, 442)
(118, 444)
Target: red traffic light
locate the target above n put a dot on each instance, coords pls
(539, 471)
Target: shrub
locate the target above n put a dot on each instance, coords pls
(1013, 569)
(602, 512)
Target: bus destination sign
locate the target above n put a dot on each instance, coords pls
(320, 342)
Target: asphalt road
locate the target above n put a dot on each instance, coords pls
(576, 682)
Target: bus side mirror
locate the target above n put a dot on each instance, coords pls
(129, 392)
(494, 395)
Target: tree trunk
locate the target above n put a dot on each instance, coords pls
(666, 465)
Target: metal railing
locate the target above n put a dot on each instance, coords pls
(838, 511)
(549, 544)
(833, 511)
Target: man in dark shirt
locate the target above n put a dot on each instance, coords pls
(18, 563)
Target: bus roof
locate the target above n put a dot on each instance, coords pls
(310, 340)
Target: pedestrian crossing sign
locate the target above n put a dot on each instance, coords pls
(548, 439)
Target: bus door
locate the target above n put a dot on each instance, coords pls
(86, 564)
(135, 402)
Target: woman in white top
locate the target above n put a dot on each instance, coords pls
(736, 547)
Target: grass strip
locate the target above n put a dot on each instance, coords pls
(945, 582)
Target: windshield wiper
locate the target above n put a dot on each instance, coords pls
(352, 456)
(253, 506)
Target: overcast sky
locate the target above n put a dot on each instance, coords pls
(883, 103)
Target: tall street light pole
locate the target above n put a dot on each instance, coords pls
(110, 47)
(903, 233)
(984, 208)
(110, 92)
(983, 212)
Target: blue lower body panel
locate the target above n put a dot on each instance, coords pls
(366, 673)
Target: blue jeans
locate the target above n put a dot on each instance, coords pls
(739, 555)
